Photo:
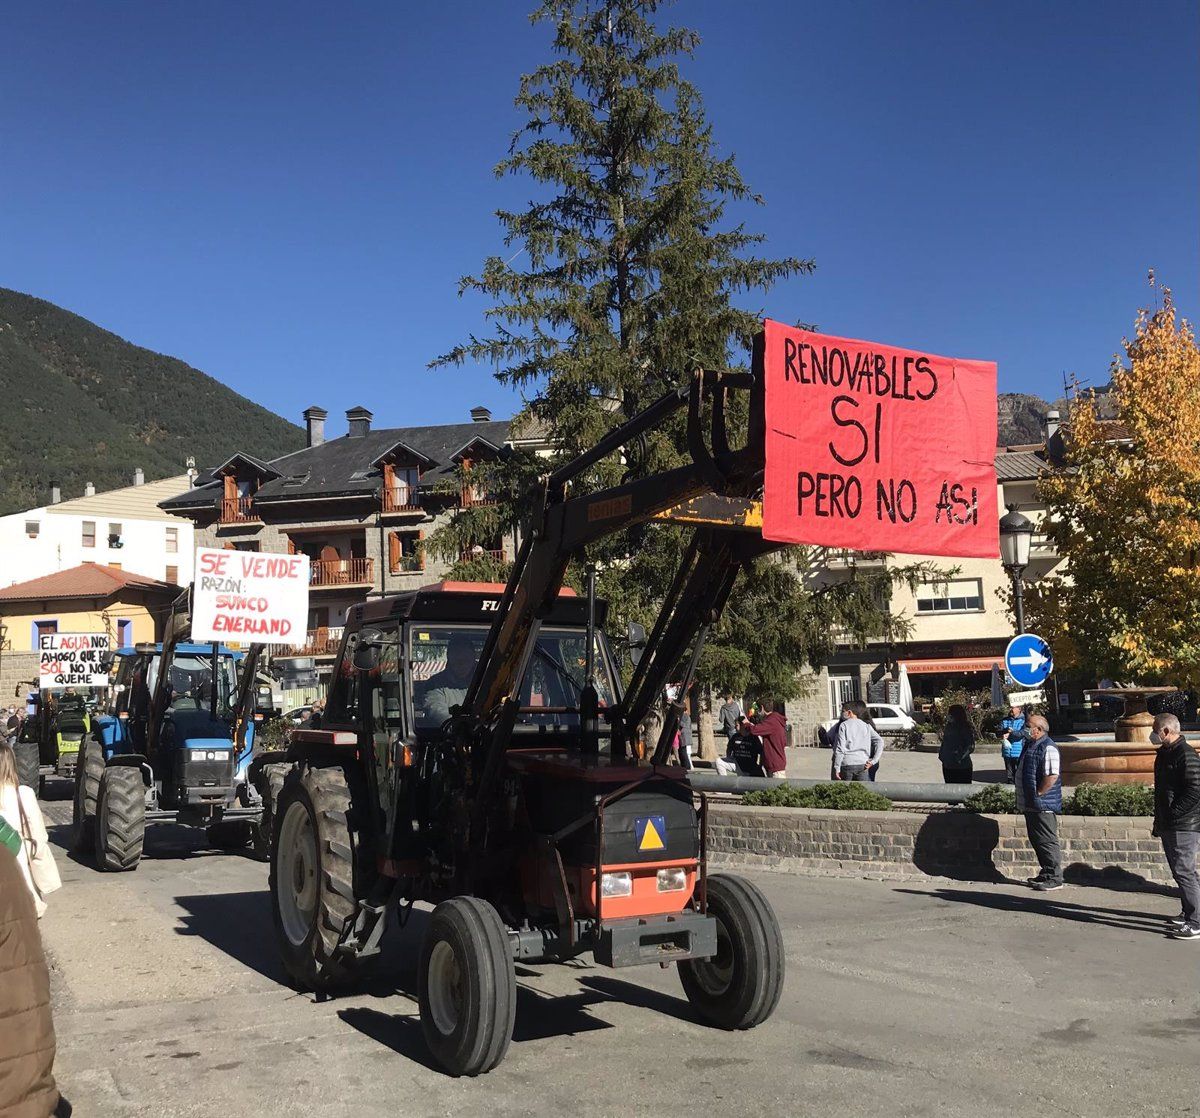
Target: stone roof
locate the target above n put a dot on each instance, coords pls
(346, 466)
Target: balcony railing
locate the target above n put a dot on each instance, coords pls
(318, 642)
(473, 553)
(842, 559)
(402, 498)
(237, 510)
(342, 572)
(471, 497)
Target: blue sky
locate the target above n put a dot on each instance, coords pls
(285, 195)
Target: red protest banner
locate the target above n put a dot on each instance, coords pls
(876, 448)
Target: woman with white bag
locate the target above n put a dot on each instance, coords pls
(19, 807)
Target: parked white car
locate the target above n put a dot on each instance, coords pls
(888, 719)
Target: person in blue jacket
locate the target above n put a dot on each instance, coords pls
(1013, 742)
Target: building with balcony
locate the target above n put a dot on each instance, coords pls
(959, 623)
(359, 506)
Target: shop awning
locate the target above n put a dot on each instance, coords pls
(958, 665)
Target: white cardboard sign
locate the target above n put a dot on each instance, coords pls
(250, 596)
(72, 660)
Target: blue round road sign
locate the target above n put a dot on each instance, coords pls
(1028, 660)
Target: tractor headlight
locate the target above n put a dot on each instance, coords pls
(616, 884)
(672, 880)
(210, 754)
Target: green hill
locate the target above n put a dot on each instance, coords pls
(80, 404)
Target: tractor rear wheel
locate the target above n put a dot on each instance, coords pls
(738, 987)
(270, 785)
(87, 788)
(28, 763)
(467, 986)
(312, 876)
(120, 818)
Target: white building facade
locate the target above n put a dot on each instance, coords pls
(122, 528)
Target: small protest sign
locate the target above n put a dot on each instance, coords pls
(876, 448)
(72, 660)
(250, 596)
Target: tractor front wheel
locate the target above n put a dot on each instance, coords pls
(738, 987)
(467, 986)
(28, 763)
(270, 786)
(120, 818)
(312, 876)
(88, 772)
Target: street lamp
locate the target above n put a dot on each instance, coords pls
(1016, 534)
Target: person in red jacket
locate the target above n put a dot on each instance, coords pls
(772, 728)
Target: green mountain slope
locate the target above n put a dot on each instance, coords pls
(80, 404)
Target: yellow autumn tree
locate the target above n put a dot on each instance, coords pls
(1125, 515)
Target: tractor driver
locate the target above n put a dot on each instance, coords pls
(449, 687)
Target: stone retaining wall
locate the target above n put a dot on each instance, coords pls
(957, 844)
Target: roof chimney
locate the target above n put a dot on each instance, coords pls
(360, 422)
(55, 495)
(139, 478)
(314, 420)
(1053, 420)
(481, 415)
(89, 490)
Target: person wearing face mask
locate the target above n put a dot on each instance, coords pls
(1177, 817)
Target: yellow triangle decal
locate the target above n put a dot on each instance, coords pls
(651, 839)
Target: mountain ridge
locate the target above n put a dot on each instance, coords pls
(79, 403)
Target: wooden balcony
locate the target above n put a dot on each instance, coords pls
(342, 572)
(237, 510)
(318, 642)
(479, 553)
(402, 498)
(471, 497)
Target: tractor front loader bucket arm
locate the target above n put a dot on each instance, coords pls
(563, 525)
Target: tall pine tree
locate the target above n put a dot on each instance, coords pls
(613, 287)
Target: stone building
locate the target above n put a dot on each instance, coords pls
(360, 506)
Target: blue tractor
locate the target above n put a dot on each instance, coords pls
(175, 745)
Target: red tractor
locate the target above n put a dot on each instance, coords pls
(478, 754)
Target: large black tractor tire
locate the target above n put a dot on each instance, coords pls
(120, 819)
(467, 986)
(231, 834)
(270, 787)
(28, 764)
(739, 987)
(87, 790)
(312, 876)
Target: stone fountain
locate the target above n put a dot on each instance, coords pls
(1129, 759)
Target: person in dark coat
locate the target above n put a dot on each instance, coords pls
(772, 728)
(958, 743)
(27, 1087)
(1177, 816)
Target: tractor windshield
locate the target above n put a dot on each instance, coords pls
(443, 659)
(191, 679)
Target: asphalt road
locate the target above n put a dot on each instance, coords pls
(946, 998)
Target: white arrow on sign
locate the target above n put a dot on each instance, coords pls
(1033, 660)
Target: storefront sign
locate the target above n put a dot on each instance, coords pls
(250, 597)
(876, 448)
